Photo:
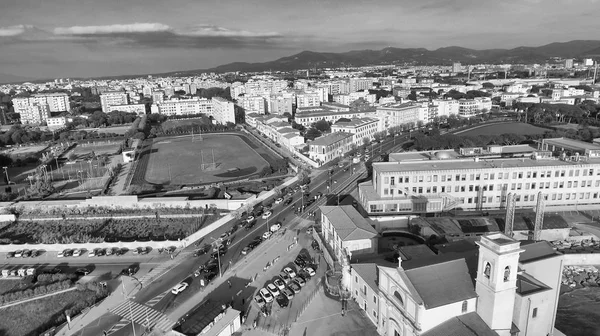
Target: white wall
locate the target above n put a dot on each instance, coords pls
(432, 317)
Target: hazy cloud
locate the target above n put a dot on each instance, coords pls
(13, 30)
(133, 28)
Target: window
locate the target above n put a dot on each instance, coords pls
(534, 314)
(488, 270)
(364, 289)
(374, 299)
(374, 313)
(506, 274)
(399, 298)
(465, 305)
(355, 278)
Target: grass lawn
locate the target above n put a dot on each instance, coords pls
(6, 285)
(170, 124)
(178, 160)
(100, 149)
(35, 317)
(497, 129)
(578, 312)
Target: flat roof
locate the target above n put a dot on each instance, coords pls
(203, 315)
(571, 143)
(451, 164)
(331, 138)
(355, 122)
(422, 156)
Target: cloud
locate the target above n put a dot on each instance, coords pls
(134, 28)
(14, 30)
(216, 31)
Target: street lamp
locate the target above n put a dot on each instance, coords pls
(130, 308)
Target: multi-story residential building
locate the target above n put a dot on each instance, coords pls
(252, 104)
(158, 96)
(308, 99)
(456, 67)
(446, 107)
(56, 102)
(471, 107)
(191, 106)
(346, 231)
(111, 98)
(395, 115)
(36, 108)
(280, 104)
(428, 182)
(309, 116)
(140, 109)
(330, 146)
(34, 114)
(359, 84)
(56, 122)
(223, 110)
(568, 63)
(361, 128)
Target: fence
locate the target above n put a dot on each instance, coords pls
(309, 300)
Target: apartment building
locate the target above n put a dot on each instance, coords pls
(252, 104)
(309, 116)
(36, 108)
(158, 96)
(471, 107)
(223, 111)
(280, 104)
(395, 115)
(34, 114)
(139, 109)
(359, 84)
(308, 99)
(330, 146)
(447, 107)
(56, 102)
(56, 122)
(427, 182)
(183, 107)
(361, 128)
(112, 98)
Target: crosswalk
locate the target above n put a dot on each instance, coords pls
(157, 299)
(163, 268)
(117, 326)
(143, 315)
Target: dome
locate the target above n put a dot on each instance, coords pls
(442, 155)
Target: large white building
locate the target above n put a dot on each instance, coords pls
(447, 107)
(37, 108)
(395, 115)
(427, 182)
(280, 104)
(330, 146)
(252, 104)
(361, 128)
(183, 107)
(223, 111)
(111, 98)
(139, 109)
(308, 99)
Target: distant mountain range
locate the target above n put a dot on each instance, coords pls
(420, 56)
(8, 78)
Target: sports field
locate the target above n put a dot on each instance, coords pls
(178, 160)
(497, 129)
(99, 148)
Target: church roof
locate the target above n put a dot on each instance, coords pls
(527, 284)
(368, 272)
(469, 324)
(535, 251)
(442, 283)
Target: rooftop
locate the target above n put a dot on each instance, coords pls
(356, 122)
(331, 138)
(442, 283)
(203, 315)
(469, 324)
(535, 251)
(571, 144)
(368, 272)
(348, 223)
(527, 284)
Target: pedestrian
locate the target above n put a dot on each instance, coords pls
(229, 283)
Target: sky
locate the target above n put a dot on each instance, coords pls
(91, 38)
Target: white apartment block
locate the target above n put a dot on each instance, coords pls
(183, 107)
(56, 102)
(37, 108)
(34, 114)
(471, 107)
(158, 96)
(308, 99)
(307, 118)
(223, 111)
(428, 182)
(252, 104)
(359, 84)
(280, 104)
(111, 98)
(360, 128)
(447, 107)
(56, 121)
(139, 109)
(237, 91)
(398, 114)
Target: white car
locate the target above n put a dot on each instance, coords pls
(249, 219)
(179, 288)
(259, 300)
(267, 235)
(272, 289)
(59, 255)
(275, 227)
(279, 200)
(76, 253)
(279, 283)
(309, 271)
(267, 214)
(92, 253)
(290, 272)
(268, 297)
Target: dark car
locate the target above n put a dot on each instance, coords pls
(282, 301)
(300, 262)
(26, 254)
(211, 268)
(131, 270)
(250, 225)
(199, 252)
(210, 276)
(10, 255)
(288, 201)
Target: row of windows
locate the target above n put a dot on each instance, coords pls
(489, 176)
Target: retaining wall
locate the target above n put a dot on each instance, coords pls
(91, 246)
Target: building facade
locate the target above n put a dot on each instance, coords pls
(112, 98)
(139, 109)
(396, 115)
(329, 147)
(223, 110)
(361, 128)
(183, 107)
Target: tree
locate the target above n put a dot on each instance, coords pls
(322, 125)
(312, 133)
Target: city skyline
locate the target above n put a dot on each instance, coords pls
(64, 39)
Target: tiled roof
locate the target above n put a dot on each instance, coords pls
(367, 272)
(331, 138)
(536, 251)
(469, 324)
(527, 284)
(348, 223)
(442, 283)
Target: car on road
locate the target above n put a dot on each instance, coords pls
(279, 284)
(266, 295)
(310, 271)
(299, 281)
(259, 300)
(246, 250)
(279, 200)
(199, 252)
(275, 227)
(210, 276)
(19, 254)
(76, 253)
(82, 271)
(179, 288)
(228, 241)
(282, 301)
(249, 225)
(92, 253)
(267, 214)
(285, 277)
(288, 293)
(249, 219)
(288, 201)
(294, 287)
(272, 289)
(289, 271)
(218, 254)
(267, 235)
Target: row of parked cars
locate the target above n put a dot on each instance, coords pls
(287, 284)
(24, 254)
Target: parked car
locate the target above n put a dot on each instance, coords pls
(267, 235)
(249, 219)
(92, 253)
(288, 293)
(267, 214)
(294, 287)
(82, 271)
(288, 201)
(246, 250)
(299, 281)
(272, 289)
(275, 227)
(135, 251)
(211, 268)
(26, 254)
(310, 271)
(10, 255)
(34, 253)
(289, 271)
(210, 276)
(144, 250)
(179, 288)
(19, 254)
(109, 252)
(266, 295)
(299, 261)
(279, 200)
(259, 300)
(100, 252)
(279, 284)
(228, 241)
(286, 278)
(282, 301)
(76, 253)
(197, 273)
